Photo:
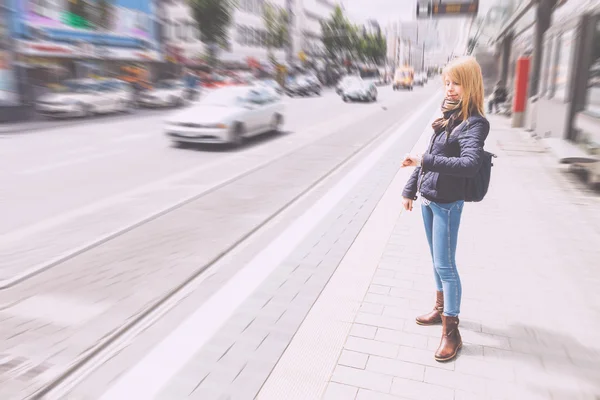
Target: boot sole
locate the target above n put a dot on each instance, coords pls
(451, 357)
(427, 324)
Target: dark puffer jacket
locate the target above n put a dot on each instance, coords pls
(448, 161)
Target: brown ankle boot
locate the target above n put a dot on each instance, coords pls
(451, 341)
(435, 316)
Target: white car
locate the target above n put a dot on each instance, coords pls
(360, 91)
(419, 80)
(228, 115)
(169, 92)
(345, 82)
(85, 97)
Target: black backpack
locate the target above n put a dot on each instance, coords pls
(477, 186)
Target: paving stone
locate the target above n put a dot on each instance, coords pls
(353, 359)
(362, 378)
(338, 391)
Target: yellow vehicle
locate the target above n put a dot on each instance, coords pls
(404, 78)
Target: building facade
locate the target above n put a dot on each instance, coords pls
(180, 35)
(76, 38)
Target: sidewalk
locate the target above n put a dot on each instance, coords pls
(528, 258)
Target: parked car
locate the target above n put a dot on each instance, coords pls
(228, 115)
(168, 92)
(359, 90)
(303, 86)
(271, 83)
(85, 97)
(344, 82)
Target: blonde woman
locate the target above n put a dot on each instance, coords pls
(455, 153)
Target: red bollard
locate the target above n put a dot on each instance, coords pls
(520, 96)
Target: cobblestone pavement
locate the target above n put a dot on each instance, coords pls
(528, 259)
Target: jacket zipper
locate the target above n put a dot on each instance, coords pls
(429, 152)
(423, 169)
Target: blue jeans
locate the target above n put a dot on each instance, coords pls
(442, 221)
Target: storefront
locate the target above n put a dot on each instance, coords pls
(83, 39)
(11, 91)
(569, 97)
(8, 81)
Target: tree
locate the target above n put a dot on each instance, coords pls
(214, 17)
(371, 48)
(275, 20)
(340, 37)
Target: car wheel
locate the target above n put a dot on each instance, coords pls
(237, 135)
(84, 110)
(345, 99)
(277, 123)
(180, 102)
(125, 106)
(181, 145)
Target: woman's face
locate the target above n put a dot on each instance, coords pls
(453, 89)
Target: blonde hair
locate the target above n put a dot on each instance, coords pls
(467, 73)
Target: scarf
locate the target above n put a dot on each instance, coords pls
(450, 112)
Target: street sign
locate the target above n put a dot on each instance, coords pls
(437, 9)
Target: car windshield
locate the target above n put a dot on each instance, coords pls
(356, 84)
(78, 87)
(167, 85)
(227, 97)
(351, 81)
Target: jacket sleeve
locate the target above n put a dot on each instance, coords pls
(471, 153)
(410, 189)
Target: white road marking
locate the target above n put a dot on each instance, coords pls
(153, 372)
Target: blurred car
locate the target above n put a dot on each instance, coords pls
(360, 90)
(85, 97)
(303, 86)
(169, 92)
(228, 115)
(419, 79)
(271, 83)
(347, 80)
(404, 78)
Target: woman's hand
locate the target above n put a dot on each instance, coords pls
(412, 160)
(407, 203)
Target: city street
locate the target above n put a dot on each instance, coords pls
(102, 221)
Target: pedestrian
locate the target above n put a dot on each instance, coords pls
(498, 96)
(455, 153)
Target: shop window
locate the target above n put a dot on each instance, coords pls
(564, 65)
(546, 64)
(239, 37)
(184, 30)
(263, 38)
(593, 92)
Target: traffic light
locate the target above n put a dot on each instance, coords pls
(437, 8)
